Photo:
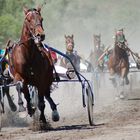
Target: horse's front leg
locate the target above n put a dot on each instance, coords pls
(126, 80)
(123, 76)
(112, 77)
(10, 100)
(55, 114)
(41, 106)
(19, 86)
(112, 73)
(27, 97)
(20, 101)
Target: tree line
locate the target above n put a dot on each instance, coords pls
(11, 19)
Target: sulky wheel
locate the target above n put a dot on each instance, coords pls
(90, 104)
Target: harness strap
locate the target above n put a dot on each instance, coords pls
(57, 78)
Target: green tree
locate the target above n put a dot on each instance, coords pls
(11, 19)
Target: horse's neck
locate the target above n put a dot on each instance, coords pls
(25, 35)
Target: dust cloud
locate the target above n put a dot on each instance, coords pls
(85, 18)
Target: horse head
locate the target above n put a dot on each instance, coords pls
(69, 43)
(33, 25)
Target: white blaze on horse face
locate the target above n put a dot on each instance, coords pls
(36, 40)
(70, 45)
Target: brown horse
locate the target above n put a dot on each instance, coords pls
(119, 63)
(75, 58)
(31, 64)
(94, 55)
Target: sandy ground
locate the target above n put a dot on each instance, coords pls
(114, 119)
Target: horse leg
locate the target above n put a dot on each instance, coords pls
(126, 77)
(27, 97)
(10, 101)
(122, 82)
(123, 76)
(112, 77)
(41, 106)
(20, 101)
(112, 72)
(55, 114)
(126, 80)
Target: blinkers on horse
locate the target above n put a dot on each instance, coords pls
(118, 61)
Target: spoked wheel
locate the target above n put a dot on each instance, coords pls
(90, 104)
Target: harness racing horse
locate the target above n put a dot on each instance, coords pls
(94, 55)
(98, 75)
(75, 58)
(31, 63)
(78, 60)
(119, 64)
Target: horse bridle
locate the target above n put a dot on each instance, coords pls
(36, 38)
(122, 46)
(69, 43)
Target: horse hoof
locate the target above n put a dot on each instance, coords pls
(55, 116)
(45, 126)
(31, 112)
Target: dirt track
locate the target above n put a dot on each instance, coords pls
(114, 120)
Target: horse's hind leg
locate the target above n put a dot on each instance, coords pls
(41, 106)
(10, 101)
(27, 97)
(20, 101)
(124, 80)
(55, 114)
